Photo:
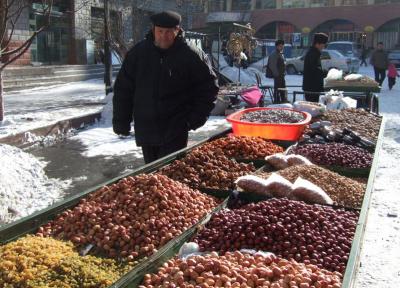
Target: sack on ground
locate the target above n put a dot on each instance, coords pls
(308, 192)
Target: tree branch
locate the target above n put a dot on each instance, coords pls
(4, 8)
(25, 46)
(13, 19)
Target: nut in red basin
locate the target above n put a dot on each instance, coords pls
(273, 131)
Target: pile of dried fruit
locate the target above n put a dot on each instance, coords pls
(358, 120)
(335, 154)
(132, 218)
(343, 191)
(243, 147)
(204, 168)
(273, 116)
(238, 269)
(45, 262)
(311, 234)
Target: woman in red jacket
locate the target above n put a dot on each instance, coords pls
(392, 74)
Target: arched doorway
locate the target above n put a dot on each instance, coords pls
(278, 30)
(341, 30)
(389, 34)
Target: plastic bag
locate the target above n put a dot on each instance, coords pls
(278, 161)
(353, 77)
(345, 103)
(253, 184)
(308, 192)
(278, 186)
(334, 74)
(294, 160)
(315, 109)
(283, 105)
(257, 252)
(330, 97)
(189, 249)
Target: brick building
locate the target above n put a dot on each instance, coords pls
(75, 32)
(363, 21)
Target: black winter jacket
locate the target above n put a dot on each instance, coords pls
(313, 75)
(166, 92)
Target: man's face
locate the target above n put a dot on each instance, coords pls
(380, 47)
(164, 37)
(320, 46)
(279, 47)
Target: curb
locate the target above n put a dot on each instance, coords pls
(60, 127)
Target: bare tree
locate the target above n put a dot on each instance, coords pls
(10, 13)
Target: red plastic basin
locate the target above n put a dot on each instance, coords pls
(273, 131)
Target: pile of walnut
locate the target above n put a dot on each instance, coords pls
(205, 168)
(243, 147)
(236, 269)
(133, 217)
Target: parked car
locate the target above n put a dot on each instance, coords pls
(329, 59)
(394, 57)
(347, 48)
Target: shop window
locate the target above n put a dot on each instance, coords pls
(266, 4)
(216, 5)
(293, 4)
(241, 5)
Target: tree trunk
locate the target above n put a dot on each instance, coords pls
(107, 50)
(1, 97)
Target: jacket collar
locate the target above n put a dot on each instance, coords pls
(179, 41)
(315, 49)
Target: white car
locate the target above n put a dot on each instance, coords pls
(347, 48)
(329, 59)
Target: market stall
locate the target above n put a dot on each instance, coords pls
(362, 88)
(302, 195)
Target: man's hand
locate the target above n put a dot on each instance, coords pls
(119, 131)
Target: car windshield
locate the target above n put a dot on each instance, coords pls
(336, 54)
(394, 55)
(342, 47)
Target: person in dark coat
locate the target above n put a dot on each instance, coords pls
(380, 61)
(276, 64)
(364, 53)
(313, 75)
(166, 87)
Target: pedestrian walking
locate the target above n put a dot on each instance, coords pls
(380, 61)
(313, 75)
(167, 88)
(392, 74)
(364, 53)
(276, 69)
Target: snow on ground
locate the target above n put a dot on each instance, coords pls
(29, 109)
(100, 139)
(380, 255)
(24, 188)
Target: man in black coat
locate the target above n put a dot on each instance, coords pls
(276, 64)
(166, 87)
(313, 75)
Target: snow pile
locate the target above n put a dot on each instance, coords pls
(24, 187)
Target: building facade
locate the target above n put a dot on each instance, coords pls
(363, 21)
(76, 29)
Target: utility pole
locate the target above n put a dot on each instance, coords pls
(107, 50)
